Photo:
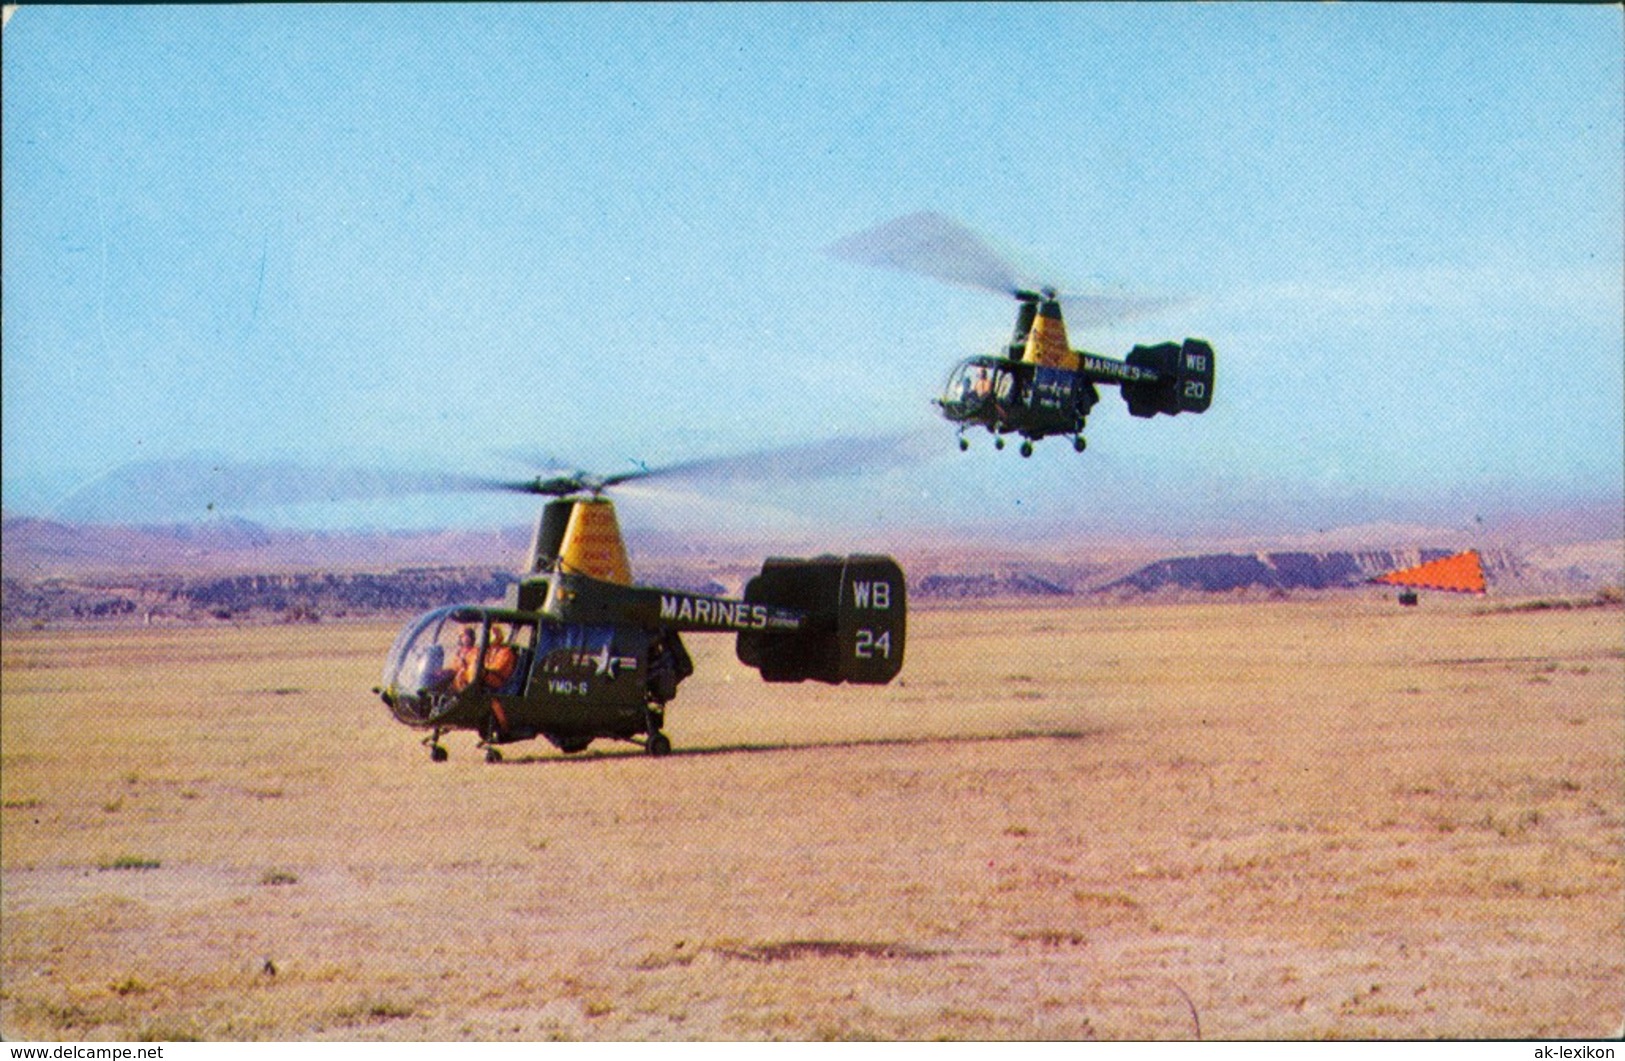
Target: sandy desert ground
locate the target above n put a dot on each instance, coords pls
(1291, 820)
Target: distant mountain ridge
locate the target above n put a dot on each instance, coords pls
(33, 548)
(1575, 569)
(1229, 572)
(239, 571)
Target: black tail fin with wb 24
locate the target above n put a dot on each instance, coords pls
(856, 611)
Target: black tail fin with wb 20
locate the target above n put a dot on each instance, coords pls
(1181, 378)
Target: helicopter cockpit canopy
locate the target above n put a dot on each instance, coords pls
(976, 384)
(423, 648)
(445, 653)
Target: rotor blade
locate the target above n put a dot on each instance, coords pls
(801, 462)
(1110, 309)
(823, 459)
(931, 245)
(549, 485)
(198, 487)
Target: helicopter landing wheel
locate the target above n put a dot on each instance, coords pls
(490, 736)
(437, 753)
(1026, 449)
(1078, 444)
(657, 742)
(998, 443)
(964, 443)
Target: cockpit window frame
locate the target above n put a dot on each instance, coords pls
(1005, 385)
(429, 628)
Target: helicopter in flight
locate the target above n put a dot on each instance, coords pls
(1037, 385)
(578, 653)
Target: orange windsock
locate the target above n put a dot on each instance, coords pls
(1461, 573)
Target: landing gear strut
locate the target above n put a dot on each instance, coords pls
(490, 734)
(437, 751)
(658, 743)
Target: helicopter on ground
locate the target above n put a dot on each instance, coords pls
(578, 653)
(1037, 385)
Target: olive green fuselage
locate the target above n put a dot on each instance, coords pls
(573, 659)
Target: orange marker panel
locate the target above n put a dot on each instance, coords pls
(1462, 573)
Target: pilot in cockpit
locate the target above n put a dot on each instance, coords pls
(460, 675)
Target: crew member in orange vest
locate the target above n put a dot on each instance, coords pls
(500, 659)
(461, 673)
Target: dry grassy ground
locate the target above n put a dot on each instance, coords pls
(1292, 820)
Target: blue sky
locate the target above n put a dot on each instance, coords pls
(424, 237)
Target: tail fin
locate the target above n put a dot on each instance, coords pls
(856, 620)
(1183, 378)
(1195, 376)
